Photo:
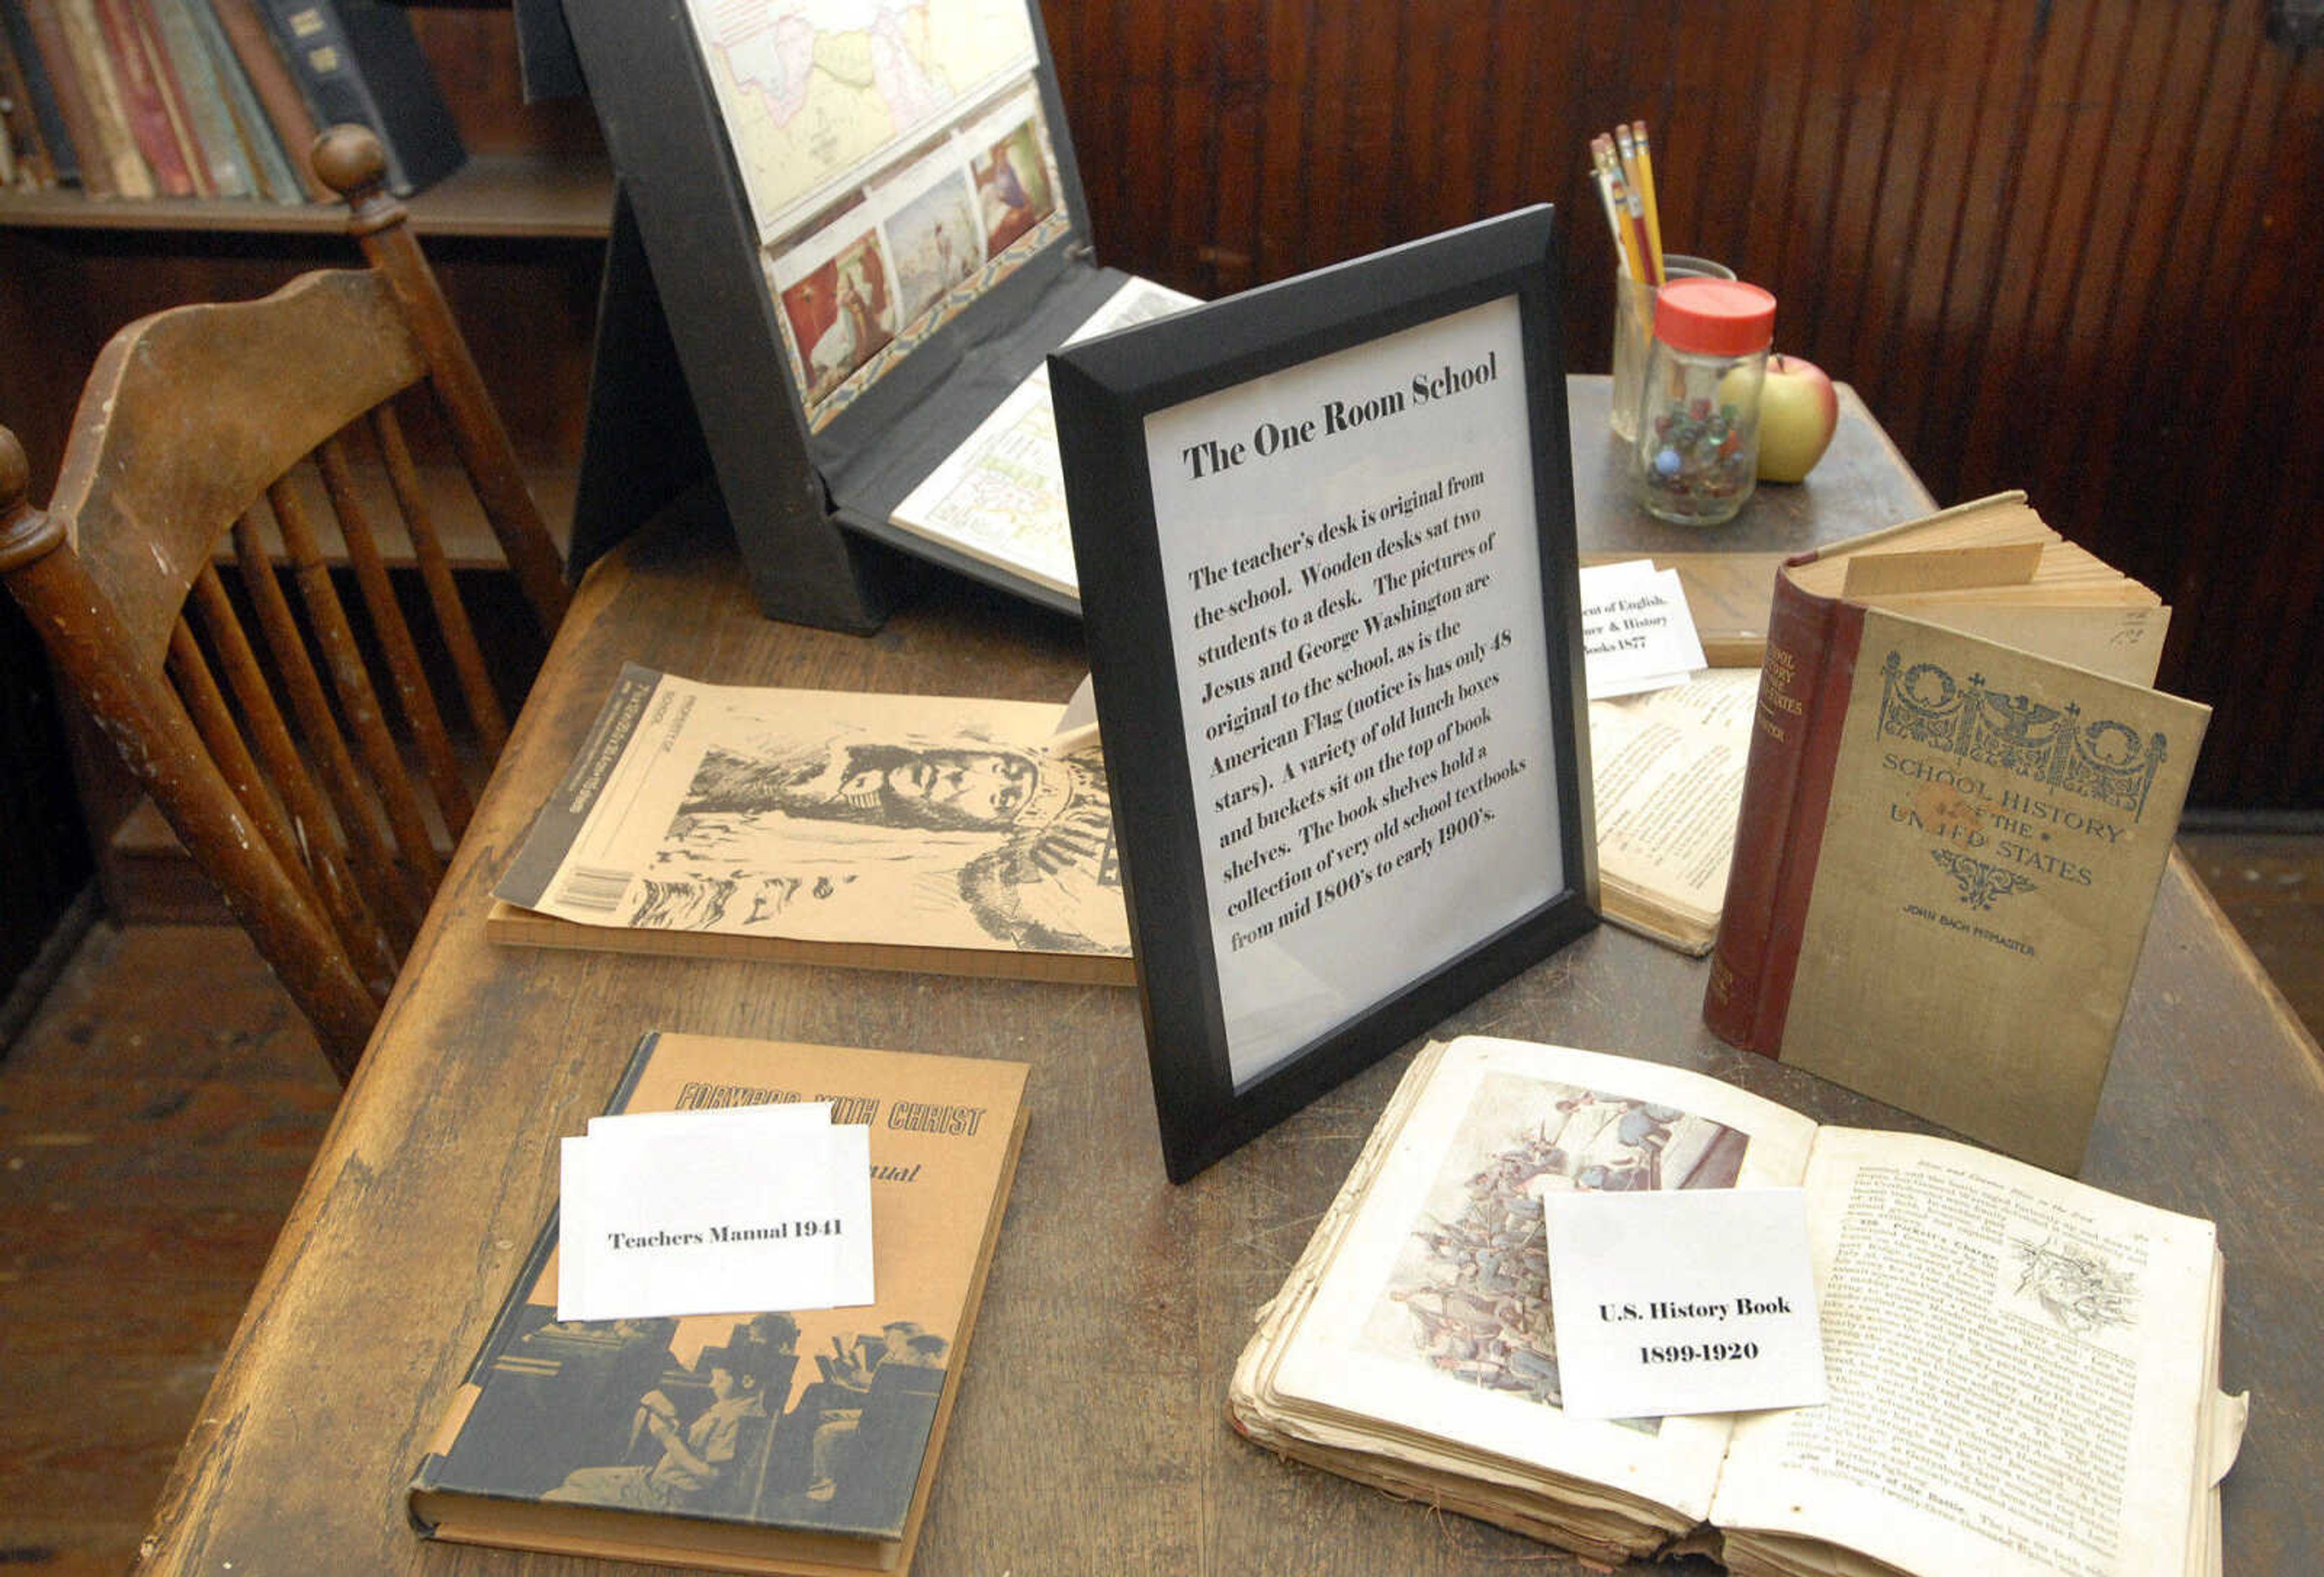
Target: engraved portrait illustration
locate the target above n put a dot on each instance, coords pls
(2074, 1285)
(1467, 1297)
(923, 839)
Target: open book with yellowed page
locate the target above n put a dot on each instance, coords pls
(2024, 1370)
(1992, 568)
(1666, 773)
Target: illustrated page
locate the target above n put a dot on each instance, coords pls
(1434, 1315)
(825, 816)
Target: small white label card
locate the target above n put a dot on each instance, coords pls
(729, 1211)
(1694, 1301)
(781, 1123)
(1637, 633)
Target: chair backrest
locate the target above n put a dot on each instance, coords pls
(310, 769)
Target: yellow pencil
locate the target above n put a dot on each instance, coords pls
(1646, 190)
(1635, 206)
(1634, 262)
(1627, 150)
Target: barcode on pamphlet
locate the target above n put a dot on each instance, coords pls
(591, 888)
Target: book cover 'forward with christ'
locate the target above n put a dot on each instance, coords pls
(766, 1441)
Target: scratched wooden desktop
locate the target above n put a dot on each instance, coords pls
(1090, 1434)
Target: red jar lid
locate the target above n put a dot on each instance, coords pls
(1720, 317)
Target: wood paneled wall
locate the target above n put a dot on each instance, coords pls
(2074, 246)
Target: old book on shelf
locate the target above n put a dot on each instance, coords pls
(358, 61)
(252, 39)
(124, 171)
(1958, 806)
(34, 98)
(2024, 1370)
(53, 49)
(1666, 769)
(182, 101)
(198, 97)
(880, 831)
(144, 101)
(245, 120)
(816, 1453)
(26, 163)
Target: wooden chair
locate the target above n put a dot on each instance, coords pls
(323, 812)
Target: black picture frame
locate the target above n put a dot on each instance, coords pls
(1105, 391)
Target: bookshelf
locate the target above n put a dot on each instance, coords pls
(505, 196)
(516, 236)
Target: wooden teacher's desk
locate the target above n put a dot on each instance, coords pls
(1090, 1433)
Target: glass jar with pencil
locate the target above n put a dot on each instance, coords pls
(1623, 170)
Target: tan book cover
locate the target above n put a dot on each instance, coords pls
(1949, 845)
(806, 1442)
(1997, 827)
(908, 832)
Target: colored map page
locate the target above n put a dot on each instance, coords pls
(818, 94)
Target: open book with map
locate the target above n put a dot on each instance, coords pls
(2023, 1369)
(890, 832)
(1001, 497)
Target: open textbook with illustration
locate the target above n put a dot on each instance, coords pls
(907, 832)
(2024, 1370)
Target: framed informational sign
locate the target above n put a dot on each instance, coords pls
(1326, 539)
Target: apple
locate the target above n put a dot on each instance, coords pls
(1798, 411)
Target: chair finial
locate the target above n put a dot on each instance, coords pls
(15, 472)
(25, 533)
(350, 161)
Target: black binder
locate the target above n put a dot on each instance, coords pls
(688, 314)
